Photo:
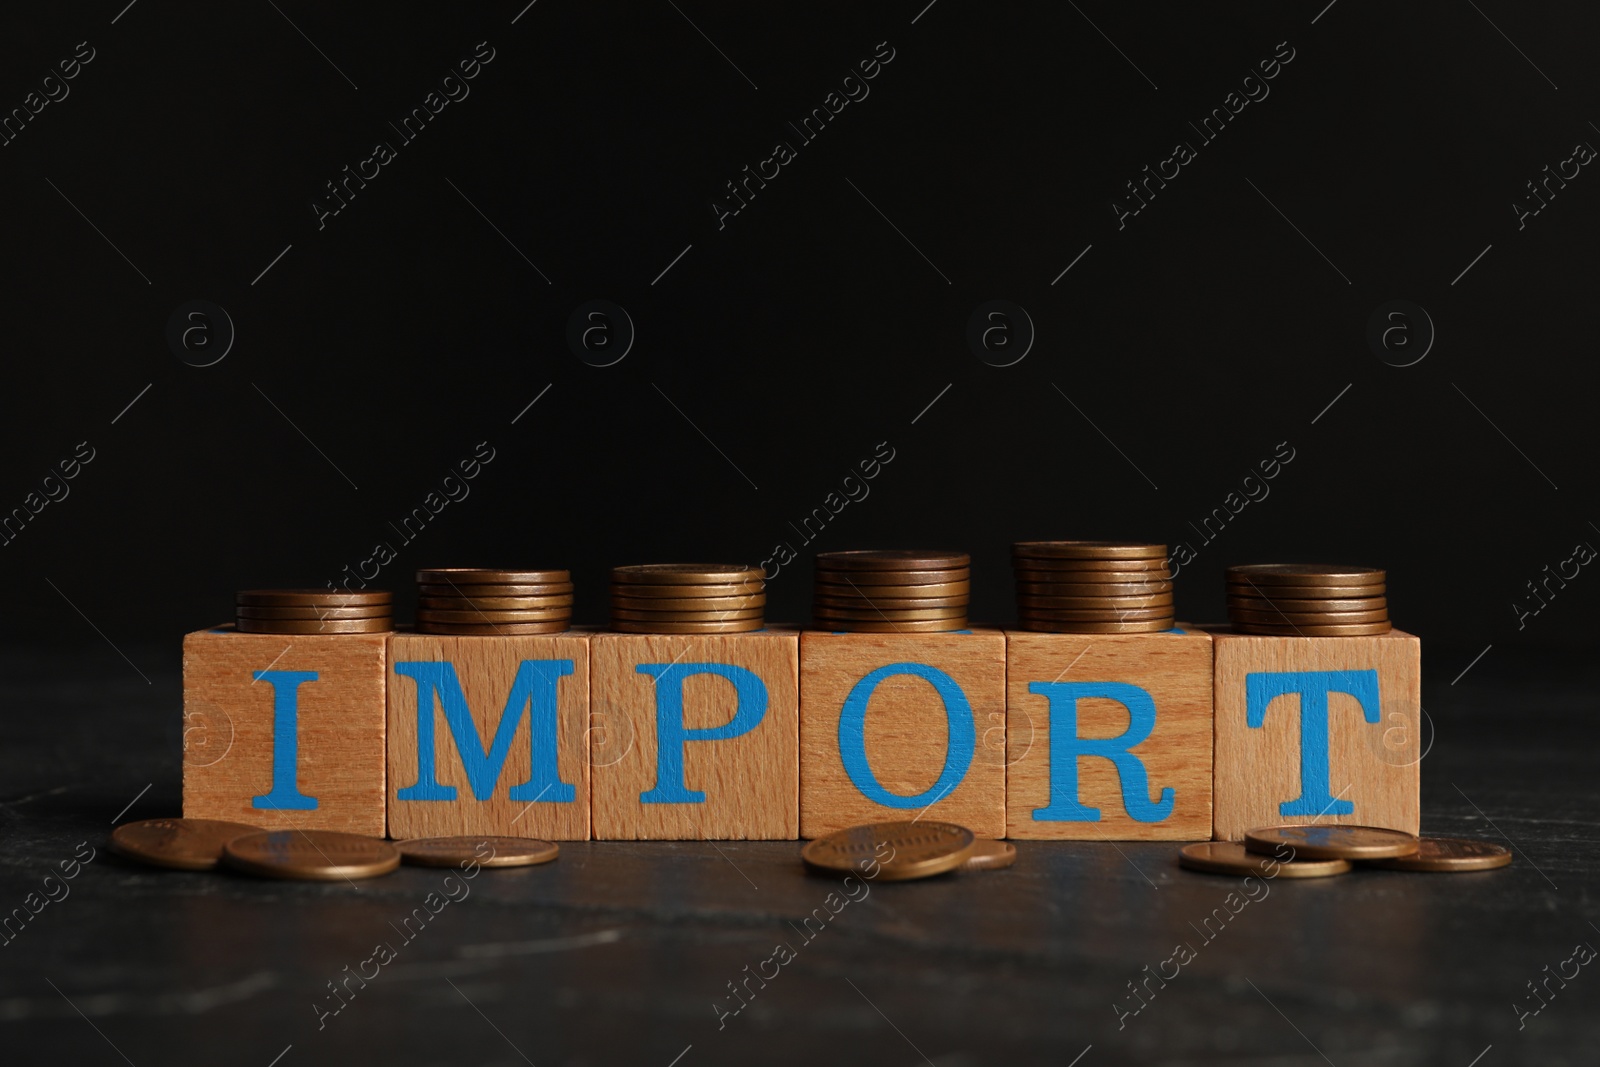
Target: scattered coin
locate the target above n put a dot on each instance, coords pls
(1333, 842)
(1230, 857)
(455, 851)
(990, 855)
(181, 844)
(900, 850)
(1449, 854)
(311, 855)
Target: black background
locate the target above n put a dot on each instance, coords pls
(808, 330)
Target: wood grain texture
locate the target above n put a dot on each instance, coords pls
(485, 669)
(228, 728)
(1174, 669)
(1374, 766)
(907, 730)
(751, 781)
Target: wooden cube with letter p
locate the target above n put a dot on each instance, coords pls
(893, 726)
(285, 731)
(512, 758)
(695, 737)
(1108, 736)
(1317, 729)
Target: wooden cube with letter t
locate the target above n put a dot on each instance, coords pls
(1108, 736)
(1317, 729)
(285, 731)
(694, 737)
(513, 757)
(895, 726)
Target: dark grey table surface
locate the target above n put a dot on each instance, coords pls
(624, 952)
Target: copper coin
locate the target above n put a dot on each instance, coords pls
(875, 592)
(733, 626)
(1094, 589)
(1305, 592)
(1448, 855)
(182, 844)
(1086, 603)
(374, 611)
(864, 579)
(484, 851)
(685, 574)
(1089, 550)
(313, 626)
(1332, 842)
(1048, 625)
(896, 851)
(681, 592)
(688, 616)
(1044, 574)
(464, 576)
(1103, 615)
(1362, 629)
(310, 598)
(494, 603)
(1273, 603)
(1307, 618)
(1080, 566)
(990, 855)
(313, 855)
(546, 589)
(869, 613)
(1230, 857)
(494, 629)
(688, 603)
(890, 602)
(477, 617)
(908, 626)
(892, 559)
(1264, 574)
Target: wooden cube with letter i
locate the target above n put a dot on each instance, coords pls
(283, 713)
(1318, 703)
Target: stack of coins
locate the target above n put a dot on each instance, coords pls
(313, 611)
(688, 598)
(893, 591)
(1092, 587)
(1307, 600)
(468, 601)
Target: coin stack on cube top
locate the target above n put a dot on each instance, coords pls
(470, 601)
(898, 591)
(688, 598)
(313, 611)
(1092, 587)
(1307, 600)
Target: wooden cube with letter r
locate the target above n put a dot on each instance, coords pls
(489, 735)
(694, 737)
(1317, 729)
(901, 726)
(1108, 736)
(285, 731)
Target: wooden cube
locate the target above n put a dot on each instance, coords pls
(1317, 729)
(902, 726)
(285, 731)
(695, 737)
(489, 735)
(1108, 736)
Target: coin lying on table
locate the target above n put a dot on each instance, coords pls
(1230, 857)
(900, 850)
(312, 855)
(182, 844)
(1332, 842)
(1449, 854)
(455, 851)
(990, 856)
